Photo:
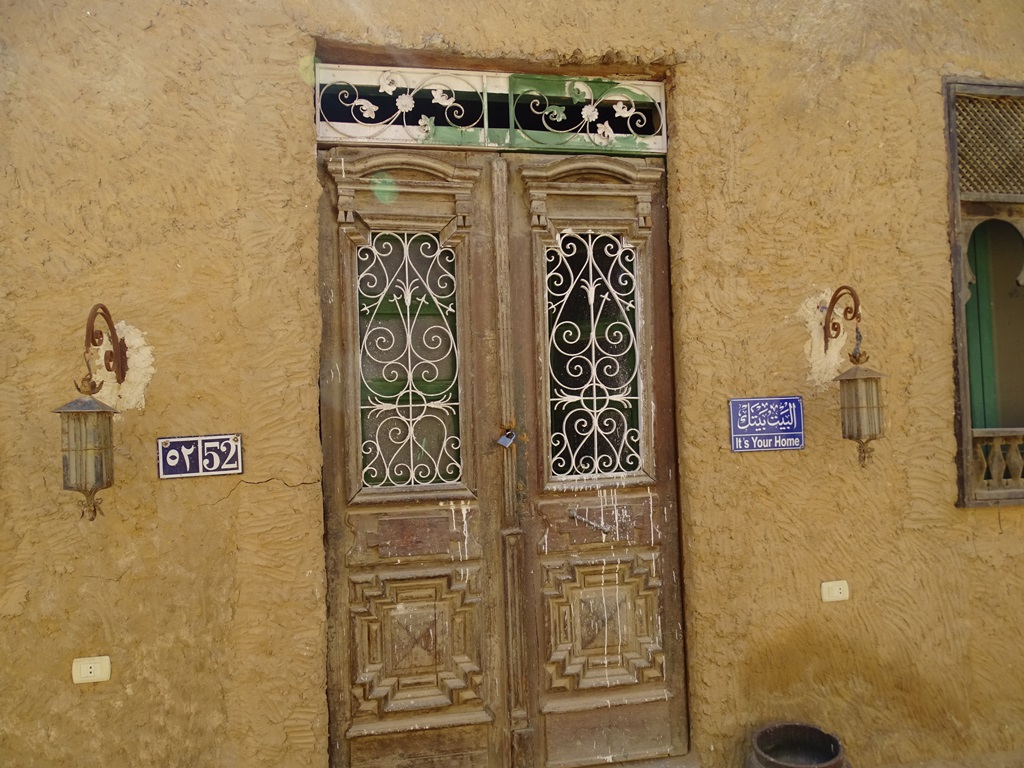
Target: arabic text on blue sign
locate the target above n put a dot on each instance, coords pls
(767, 423)
(199, 455)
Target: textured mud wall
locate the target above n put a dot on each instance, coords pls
(814, 155)
(159, 157)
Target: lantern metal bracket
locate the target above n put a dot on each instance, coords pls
(859, 392)
(852, 312)
(864, 452)
(116, 358)
(90, 506)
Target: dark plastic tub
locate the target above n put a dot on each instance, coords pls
(795, 745)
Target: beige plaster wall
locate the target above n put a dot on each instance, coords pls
(159, 157)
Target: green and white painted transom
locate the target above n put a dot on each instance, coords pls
(450, 108)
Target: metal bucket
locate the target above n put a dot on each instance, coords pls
(795, 745)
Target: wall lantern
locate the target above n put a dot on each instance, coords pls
(860, 388)
(86, 424)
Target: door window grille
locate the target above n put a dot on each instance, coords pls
(593, 377)
(408, 361)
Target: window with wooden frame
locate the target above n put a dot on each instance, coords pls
(986, 126)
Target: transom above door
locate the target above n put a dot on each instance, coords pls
(502, 528)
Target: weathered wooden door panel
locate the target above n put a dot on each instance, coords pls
(416, 671)
(597, 468)
(499, 605)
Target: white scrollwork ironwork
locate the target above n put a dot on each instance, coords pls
(593, 376)
(613, 116)
(404, 105)
(449, 108)
(409, 361)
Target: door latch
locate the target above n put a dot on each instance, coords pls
(587, 521)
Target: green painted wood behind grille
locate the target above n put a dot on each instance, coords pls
(980, 346)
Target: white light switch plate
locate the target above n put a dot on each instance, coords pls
(834, 591)
(91, 669)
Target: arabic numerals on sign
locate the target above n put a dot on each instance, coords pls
(199, 455)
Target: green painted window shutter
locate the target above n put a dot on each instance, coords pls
(980, 346)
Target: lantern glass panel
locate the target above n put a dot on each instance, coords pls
(860, 403)
(88, 451)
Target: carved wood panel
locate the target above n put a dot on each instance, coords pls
(452, 533)
(454, 747)
(587, 522)
(603, 622)
(416, 641)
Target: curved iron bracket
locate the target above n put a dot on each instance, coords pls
(852, 312)
(116, 358)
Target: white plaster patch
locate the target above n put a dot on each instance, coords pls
(822, 366)
(131, 393)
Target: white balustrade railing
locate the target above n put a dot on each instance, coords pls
(997, 463)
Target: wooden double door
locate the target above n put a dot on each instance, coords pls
(498, 425)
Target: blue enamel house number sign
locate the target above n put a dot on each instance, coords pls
(767, 423)
(199, 455)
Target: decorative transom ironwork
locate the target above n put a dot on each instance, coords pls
(409, 361)
(493, 110)
(593, 377)
(990, 144)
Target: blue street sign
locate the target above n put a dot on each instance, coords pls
(767, 423)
